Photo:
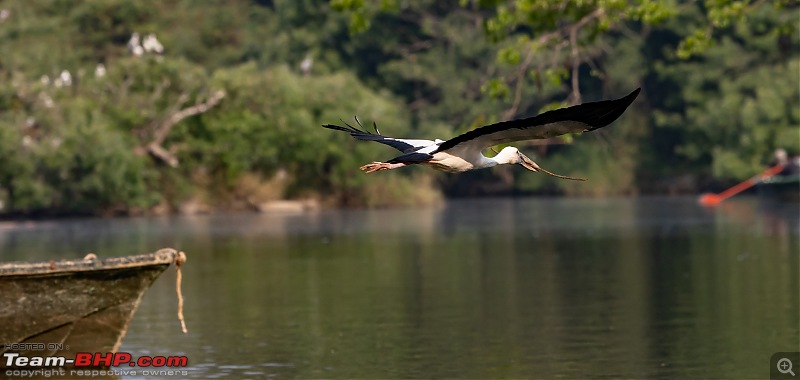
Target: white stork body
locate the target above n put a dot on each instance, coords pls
(455, 164)
(464, 152)
(461, 161)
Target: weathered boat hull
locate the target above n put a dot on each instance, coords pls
(60, 308)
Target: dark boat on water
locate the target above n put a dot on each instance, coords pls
(784, 188)
(60, 308)
(785, 185)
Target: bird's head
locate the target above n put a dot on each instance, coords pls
(509, 155)
(512, 155)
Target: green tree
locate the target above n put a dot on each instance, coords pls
(730, 108)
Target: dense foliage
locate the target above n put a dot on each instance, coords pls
(228, 114)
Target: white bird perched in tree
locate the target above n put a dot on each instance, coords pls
(463, 153)
(151, 44)
(66, 78)
(134, 45)
(306, 64)
(63, 80)
(100, 70)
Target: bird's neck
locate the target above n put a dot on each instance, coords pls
(482, 162)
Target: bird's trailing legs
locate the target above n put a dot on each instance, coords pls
(378, 166)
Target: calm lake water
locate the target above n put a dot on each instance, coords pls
(504, 288)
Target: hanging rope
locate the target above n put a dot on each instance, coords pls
(180, 258)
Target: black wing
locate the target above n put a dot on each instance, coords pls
(403, 145)
(411, 158)
(579, 118)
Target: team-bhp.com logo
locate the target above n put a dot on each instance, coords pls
(92, 364)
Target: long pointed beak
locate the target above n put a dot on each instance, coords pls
(532, 166)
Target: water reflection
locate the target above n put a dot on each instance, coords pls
(491, 288)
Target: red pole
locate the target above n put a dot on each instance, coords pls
(713, 199)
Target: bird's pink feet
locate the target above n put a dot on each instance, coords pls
(378, 166)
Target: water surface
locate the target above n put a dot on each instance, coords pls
(504, 288)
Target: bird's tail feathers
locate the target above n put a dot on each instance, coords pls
(360, 134)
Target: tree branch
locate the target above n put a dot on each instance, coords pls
(520, 80)
(572, 32)
(161, 153)
(160, 135)
(575, 95)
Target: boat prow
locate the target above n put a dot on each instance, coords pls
(60, 308)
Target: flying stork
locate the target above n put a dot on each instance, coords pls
(463, 153)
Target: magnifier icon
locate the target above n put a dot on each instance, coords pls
(785, 366)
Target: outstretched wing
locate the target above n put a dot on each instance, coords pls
(580, 118)
(403, 145)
